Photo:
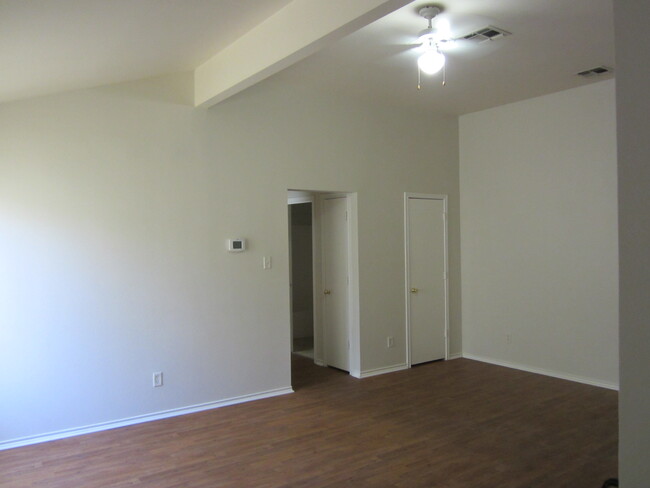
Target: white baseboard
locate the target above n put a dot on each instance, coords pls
(388, 369)
(456, 355)
(546, 372)
(88, 429)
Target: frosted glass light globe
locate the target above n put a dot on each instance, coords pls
(431, 62)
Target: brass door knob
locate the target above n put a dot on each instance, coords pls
(414, 290)
(327, 292)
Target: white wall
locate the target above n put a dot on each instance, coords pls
(633, 107)
(115, 206)
(539, 234)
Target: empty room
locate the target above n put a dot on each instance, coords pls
(296, 243)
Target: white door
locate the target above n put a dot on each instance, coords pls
(426, 278)
(334, 233)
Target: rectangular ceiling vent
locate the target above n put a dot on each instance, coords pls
(488, 33)
(597, 71)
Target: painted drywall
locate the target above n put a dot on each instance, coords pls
(115, 207)
(539, 234)
(633, 107)
(284, 38)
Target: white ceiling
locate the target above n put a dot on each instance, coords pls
(48, 46)
(551, 41)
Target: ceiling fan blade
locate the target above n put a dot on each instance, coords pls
(393, 49)
(470, 49)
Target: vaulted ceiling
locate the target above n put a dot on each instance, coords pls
(48, 46)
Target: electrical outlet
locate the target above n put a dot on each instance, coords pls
(266, 262)
(390, 342)
(157, 379)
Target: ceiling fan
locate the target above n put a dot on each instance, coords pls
(437, 39)
(433, 40)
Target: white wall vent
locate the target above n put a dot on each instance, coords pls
(488, 33)
(597, 71)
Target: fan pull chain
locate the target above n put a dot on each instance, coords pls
(419, 85)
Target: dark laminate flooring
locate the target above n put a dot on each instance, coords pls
(454, 424)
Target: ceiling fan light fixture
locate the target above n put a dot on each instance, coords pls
(427, 35)
(431, 61)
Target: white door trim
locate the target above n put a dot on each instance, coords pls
(316, 198)
(407, 294)
(353, 288)
(289, 229)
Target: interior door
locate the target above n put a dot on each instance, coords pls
(426, 284)
(334, 235)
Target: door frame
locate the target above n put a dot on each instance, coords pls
(407, 294)
(316, 197)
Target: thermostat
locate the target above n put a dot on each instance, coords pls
(236, 245)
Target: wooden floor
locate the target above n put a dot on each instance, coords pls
(455, 424)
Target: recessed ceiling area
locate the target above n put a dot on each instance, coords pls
(551, 41)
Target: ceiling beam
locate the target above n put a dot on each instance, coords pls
(294, 32)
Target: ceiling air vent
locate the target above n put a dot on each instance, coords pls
(488, 33)
(599, 70)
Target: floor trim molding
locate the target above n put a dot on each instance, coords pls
(88, 429)
(387, 369)
(545, 372)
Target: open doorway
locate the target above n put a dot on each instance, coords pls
(324, 278)
(302, 278)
